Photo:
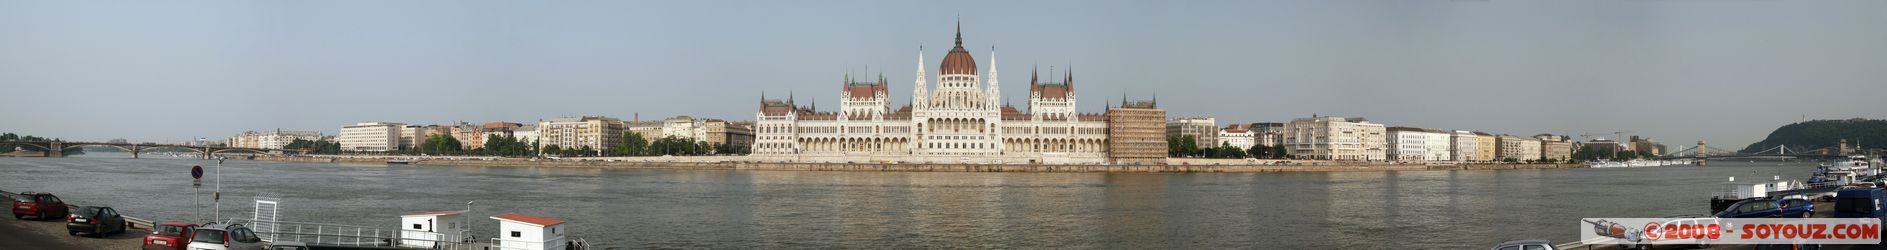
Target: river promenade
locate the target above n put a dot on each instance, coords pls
(734, 163)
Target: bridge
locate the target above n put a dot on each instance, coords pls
(1702, 151)
(58, 148)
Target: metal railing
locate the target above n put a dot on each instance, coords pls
(323, 234)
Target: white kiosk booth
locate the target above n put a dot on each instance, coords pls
(425, 230)
(517, 231)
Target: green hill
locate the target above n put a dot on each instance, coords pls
(1825, 133)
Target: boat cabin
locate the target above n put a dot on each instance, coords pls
(517, 231)
(425, 230)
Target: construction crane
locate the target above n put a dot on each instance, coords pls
(1617, 136)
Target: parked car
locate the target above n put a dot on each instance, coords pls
(288, 245)
(170, 235)
(41, 206)
(1754, 208)
(222, 236)
(1797, 208)
(1856, 202)
(1525, 245)
(95, 221)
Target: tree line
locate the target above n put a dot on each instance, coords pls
(11, 137)
(1188, 146)
(631, 144)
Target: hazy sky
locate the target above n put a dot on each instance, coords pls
(1677, 70)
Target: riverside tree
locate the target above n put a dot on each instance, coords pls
(441, 144)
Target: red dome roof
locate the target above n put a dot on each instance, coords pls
(958, 61)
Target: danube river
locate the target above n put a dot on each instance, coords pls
(907, 210)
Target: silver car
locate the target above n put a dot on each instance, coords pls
(220, 236)
(1525, 245)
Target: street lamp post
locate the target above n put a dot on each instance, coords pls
(466, 235)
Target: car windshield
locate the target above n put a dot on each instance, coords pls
(86, 211)
(1854, 206)
(208, 236)
(23, 198)
(170, 230)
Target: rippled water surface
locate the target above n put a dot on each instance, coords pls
(790, 209)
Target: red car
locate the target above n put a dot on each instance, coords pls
(170, 235)
(39, 205)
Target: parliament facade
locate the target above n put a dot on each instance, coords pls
(958, 121)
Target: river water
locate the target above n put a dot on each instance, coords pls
(906, 210)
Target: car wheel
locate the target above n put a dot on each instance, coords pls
(41, 215)
(72, 232)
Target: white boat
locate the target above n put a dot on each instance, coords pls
(1849, 171)
(1606, 164)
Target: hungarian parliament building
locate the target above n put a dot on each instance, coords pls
(958, 121)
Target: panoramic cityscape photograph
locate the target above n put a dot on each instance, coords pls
(715, 124)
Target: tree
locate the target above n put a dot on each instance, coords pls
(1279, 152)
(505, 146)
(1626, 155)
(1258, 151)
(314, 147)
(584, 151)
(441, 144)
(1229, 152)
(1172, 146)
(632, 144)
(553, 150)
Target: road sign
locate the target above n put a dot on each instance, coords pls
(196, 172)
(196, 183)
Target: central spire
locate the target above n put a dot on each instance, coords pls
(959, 31)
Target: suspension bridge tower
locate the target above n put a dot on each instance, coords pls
(1701, 157)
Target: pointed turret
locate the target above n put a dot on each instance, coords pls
(995, 88)
(1070, 80)
(917, 90)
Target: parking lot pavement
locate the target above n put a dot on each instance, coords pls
(37, 234)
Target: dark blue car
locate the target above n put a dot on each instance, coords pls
(1797, 208)
(1756, 208)
(1860, 202)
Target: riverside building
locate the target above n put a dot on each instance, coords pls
(958, 121)
(371, 137)
(596, 132)
(1518, 148)
(1335, 138)
(1204, 130)
(1418, 144)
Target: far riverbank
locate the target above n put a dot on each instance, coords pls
(731, 164)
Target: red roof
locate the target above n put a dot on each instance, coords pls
(527, 219)
(502, 125)
(958, 61)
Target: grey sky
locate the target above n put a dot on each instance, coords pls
(1680, 70)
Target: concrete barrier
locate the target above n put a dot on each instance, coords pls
(1263, 166)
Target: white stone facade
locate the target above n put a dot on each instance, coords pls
(1518, 148)
(1463, 145)
(958, 121)
(1239, 138)
(1335, 138)
(1419, 145)
(371, 137)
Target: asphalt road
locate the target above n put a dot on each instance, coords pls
(37, 234)
(13, 235)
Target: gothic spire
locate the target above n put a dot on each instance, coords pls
(959, 31)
